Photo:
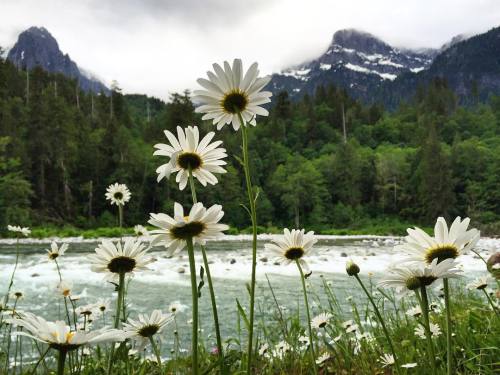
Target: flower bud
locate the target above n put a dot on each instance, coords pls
(351, 268)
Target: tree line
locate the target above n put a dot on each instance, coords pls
(325, 161)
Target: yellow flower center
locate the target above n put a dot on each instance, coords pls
(121, 265)
(190, 230)
(294, 253)
(234, 102)
(189, 160)
(441, 252)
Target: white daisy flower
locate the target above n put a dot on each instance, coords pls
(322, 358)
(479, 283)
(228, 93)
(409, 365)
(293, 246)
(347, 324)
(263, 349)
(187, 152)
(281, 349)
(18, 295)
(411, 276)
(86, 310)
(113, 259)
(352, 328)
(321, 320)
(387, 360)
(435, 330)
(146, 326)
(56, 251)
(176, 307)
(103, 305)
(446, 244)
(118, 194)
(414, 312)
(25, 231)
(201, 225)
(64, 288)
(139, 230)
(59, 336)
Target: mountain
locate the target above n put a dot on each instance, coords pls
(355, 60)
(373, 71)
(37, 47)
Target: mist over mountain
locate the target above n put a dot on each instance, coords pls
(373, 71)
(37, 47)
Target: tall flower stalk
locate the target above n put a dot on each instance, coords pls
(210, 284)
(449, 355)
(309, 329)
(352, 269)
(194, 295)
(424, 304)
(231, 96)
(181, 231)
(253, 216)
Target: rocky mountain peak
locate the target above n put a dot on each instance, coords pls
(360, 41)
(37, 47)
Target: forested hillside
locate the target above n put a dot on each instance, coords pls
(60, 148)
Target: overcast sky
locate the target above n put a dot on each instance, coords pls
(161, 46)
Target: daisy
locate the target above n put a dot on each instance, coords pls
(187, 153)
(263, 349)
(18, 295)
(321, 320)
(145, 327)
(446, 244)
(435, 331)
(229, 93)
(139, 230)
(281, 349)
(347, 324)
(64, 288)
(118, 194)
(414, 311)
(322, 358)
(412, 276)
(114, 259)
(200, 225)
(304, 341)
(86, 310)
(292, 246)
(387, 360)
(176, 307)
(479, 283)
(352, 328)
(103, 305)
(59, 336)
(25, 231)
(56, 251)
(351, 268)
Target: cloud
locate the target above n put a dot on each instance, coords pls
(158, 47)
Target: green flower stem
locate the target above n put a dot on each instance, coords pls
(194, 293)
(155, 349)
(381, 321)
(61, 359)
(210, 284)
(120, 215)
(6, 299)
(311, 347)
(428, 334)
(119, 301)
(449, 358)
(121, 282)
(253, 214)
(490, 301)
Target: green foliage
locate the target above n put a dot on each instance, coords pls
(428, 158)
